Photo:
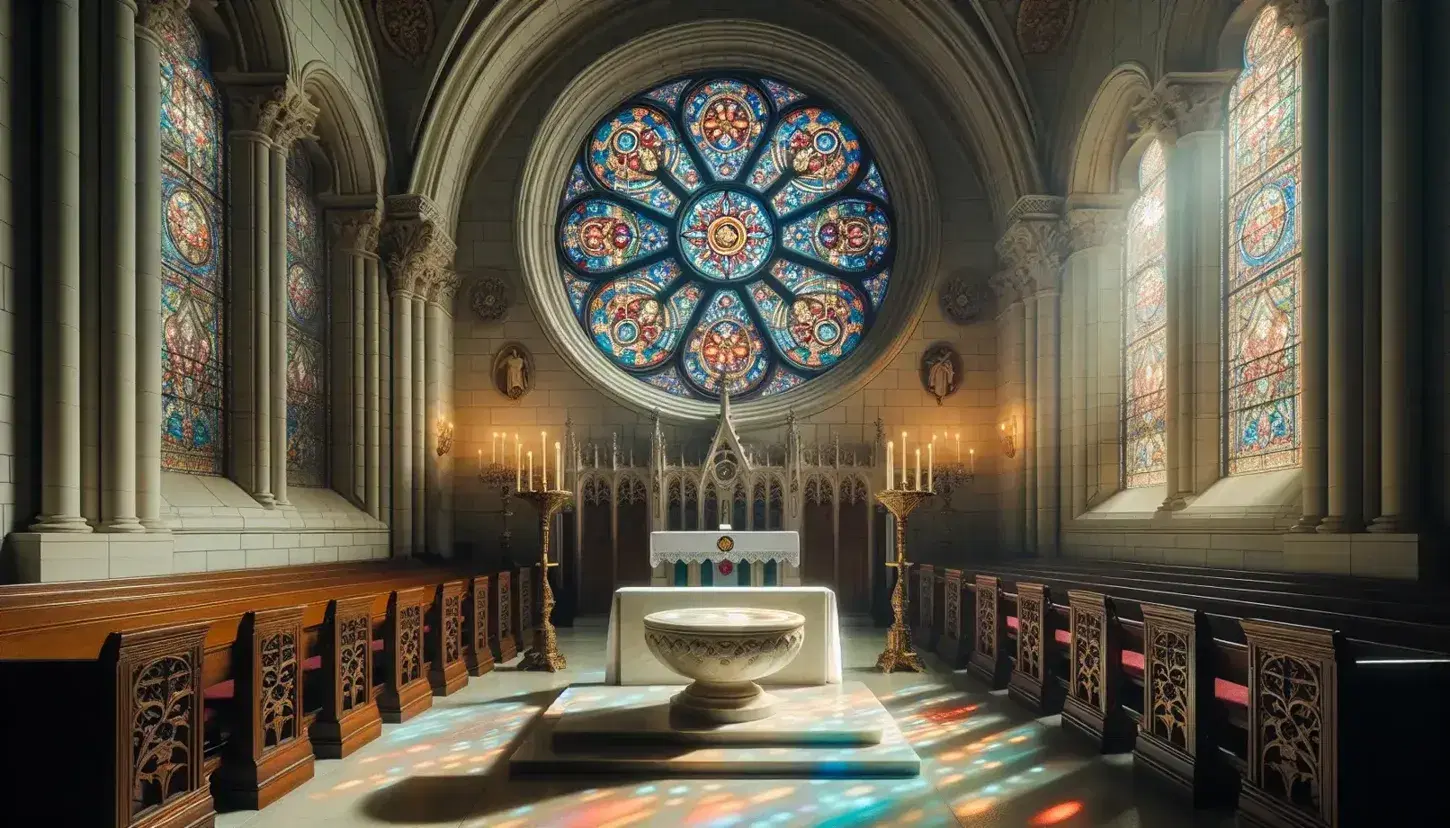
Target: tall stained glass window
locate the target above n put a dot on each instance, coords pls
(1145, 338)
(725, 232)
(193, 274)
(306, 328)
(1261, 284)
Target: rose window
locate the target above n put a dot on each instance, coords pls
(726, 232)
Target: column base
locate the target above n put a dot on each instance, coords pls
(122, 525)
(264, 498)
(1307, 524)
(156, 525)
(1173, 503)
(1386, 524)
(60, 523)
(1336, 525)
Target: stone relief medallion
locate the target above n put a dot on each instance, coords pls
(1043, 25)
(407, 27)
(513, 371)
(490, 299)
(962, 299)
(941, 371)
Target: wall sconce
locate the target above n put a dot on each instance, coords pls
(1008, 428)
(444, 431)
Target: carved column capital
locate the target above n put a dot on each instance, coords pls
(1032, 249)
(1089, 227)
(443, 289)
(1184, 103)
(355, 230)
(274, 106)
(416, 248)
(156, 16)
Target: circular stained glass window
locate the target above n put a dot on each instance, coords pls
(726, 232)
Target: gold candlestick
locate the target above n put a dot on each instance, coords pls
(898, 654)
(544, 654)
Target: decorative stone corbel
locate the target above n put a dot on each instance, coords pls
(1184, 103)
(416, 248)
(355, 230)
(296, 118)
(1089, 227)
(1032, 249)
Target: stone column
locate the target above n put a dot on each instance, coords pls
(1048, 425)
(355, 237)
(155, 16)
(440, 382)
(60, 226)
(294, 122)
(422, 428)
(372, 480)
(118, 270)
(418, 252)
(1401, 267)
(1032, 251)
(1094, 236)
(1186, 111)
(1313, 29)
(1011, 325)
(358, 379)
(1346, 290)
(402, 524)
(1370, 312)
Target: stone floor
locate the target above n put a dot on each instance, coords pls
(984, 762)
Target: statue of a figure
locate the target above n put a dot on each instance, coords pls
(514, 364)
(941, 372)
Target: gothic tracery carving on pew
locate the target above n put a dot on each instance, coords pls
(452, 628)
(280, 668)
(354, 653)
(1030, 682)
(1087, 661)
(1166, 677)
(1093, 706)
(410, 644)
(1029, 634)
(163, 750)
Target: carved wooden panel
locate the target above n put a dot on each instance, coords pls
(409, 638)
(1031, 635)
(451, 614)
(480, 614)
(952, 603)
(1293, 717)
(526, 601)
(505, 604)
(354, 639)
(1088, 678)
(159, 727)
(1169, 692)
(925, 593)
(280, 700)
(985, 628)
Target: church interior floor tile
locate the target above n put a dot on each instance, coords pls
(984, 761)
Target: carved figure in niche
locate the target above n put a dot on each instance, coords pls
(513, 371)
(940, 367)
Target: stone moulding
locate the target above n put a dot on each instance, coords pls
(755, 46)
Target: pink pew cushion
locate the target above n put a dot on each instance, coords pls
(1062, 636)
(312, 663)
(220, 691)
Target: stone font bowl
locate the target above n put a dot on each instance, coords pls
(724, 651)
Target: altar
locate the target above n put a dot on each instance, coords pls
(725, 558)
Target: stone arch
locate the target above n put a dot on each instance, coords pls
(1192, 42)
(1105, 136)
(256, 35)
(1233, 30)
(356, 155)
(495, 67)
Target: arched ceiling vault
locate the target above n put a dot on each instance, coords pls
(502, 58)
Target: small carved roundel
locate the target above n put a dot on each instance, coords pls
(725, 544)
(490, 299)
(962, 300)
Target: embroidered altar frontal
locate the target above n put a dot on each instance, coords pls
(724, 557)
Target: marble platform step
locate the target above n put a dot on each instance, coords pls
(836, 730)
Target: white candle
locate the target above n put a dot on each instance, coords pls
(492, 450)
(889, 450)
(544, 459)
(930, 457)
(903, 460)
(972, 458)
(480, 459)
(918, 469)
(558, 465)
(959, 447)
(531, 471)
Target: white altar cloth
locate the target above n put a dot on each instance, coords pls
(629, 660)
(725, 544)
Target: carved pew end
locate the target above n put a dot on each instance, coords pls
(480, 655)
(988, 662)
(447, 673)
(1032, 683)
(955, 644)
(405, 691)
(1179, 732)
(923, 607)
(269, 754)
(349, 718)
(1094, 707)
(500, 617)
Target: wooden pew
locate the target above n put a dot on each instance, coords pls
(954, 643)
(1031, 682)
(447, 672)
(988, 661)
(349, 718)
(479, 655)
(405, 692)
(501, 617)
(525, 607)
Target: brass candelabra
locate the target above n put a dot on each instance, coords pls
(544, 654)
(495, 474)
(898, 654)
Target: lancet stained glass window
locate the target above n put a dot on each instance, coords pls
(725, 232)
(1145, 337)
(306, 328)
(192, 254)
(1261, 285)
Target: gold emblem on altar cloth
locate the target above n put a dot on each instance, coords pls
(725, 544)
